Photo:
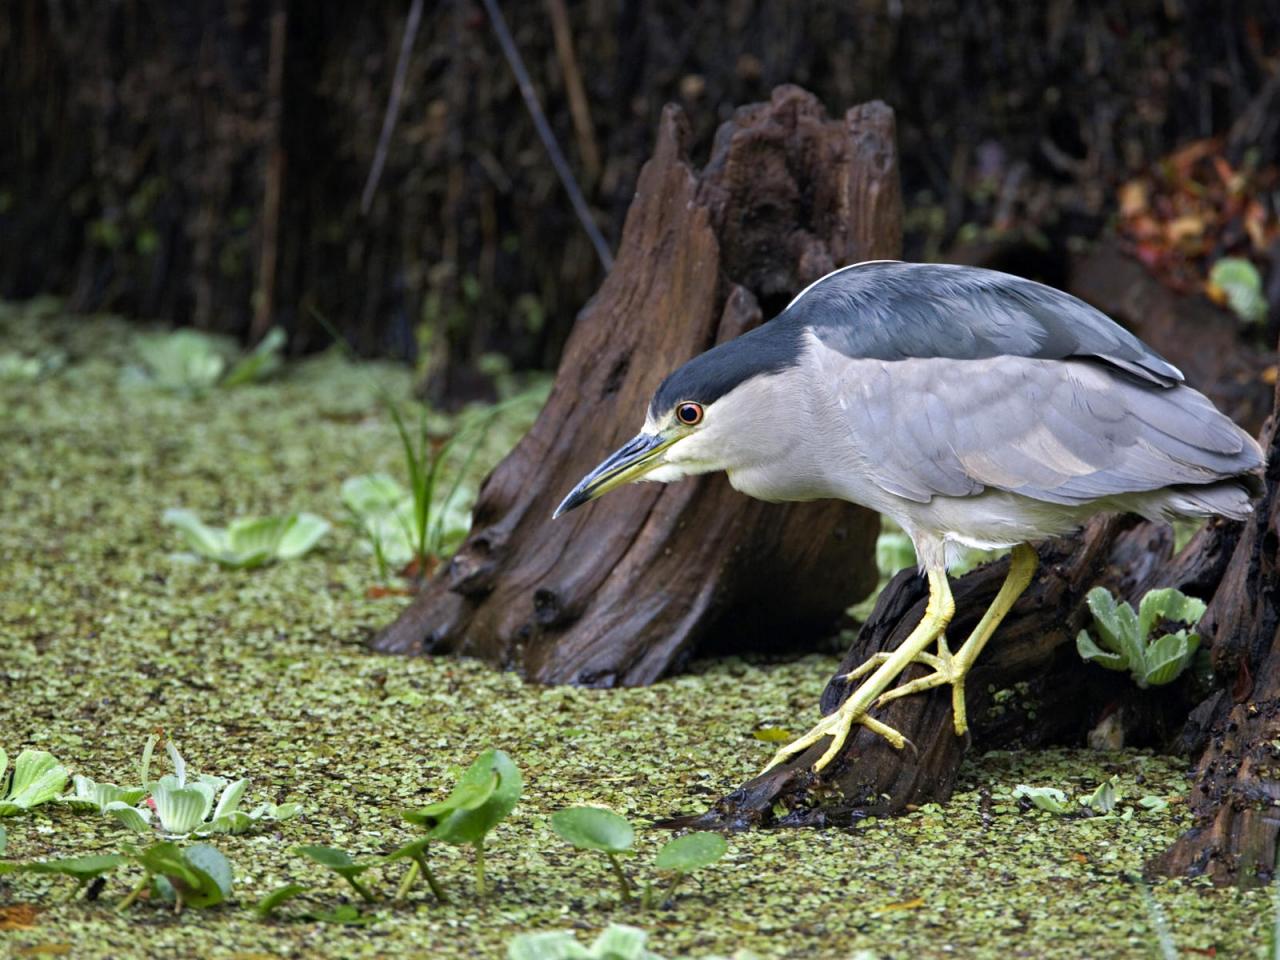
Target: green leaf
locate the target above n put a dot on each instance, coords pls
(268, 904)
(621, 942)
(1167, 604)
(467, 794)
(1089, 650)
(260, 362)
(214, 865)
(4, 834)
(1043, 798)
(229, 802)
(339, 861)
(135, 819)
(1106, 618)
(1103, 799)
(199, 537)
(1239, 279)
(304, 531)
(88, 794)
(37, 778)
(184, 361)
(1167, 657)
(82, 868)
(691, 852)
(187, 873)
(373, 493)
(548, 945)
(469, 826)
(591, 828)
(411, 849)
(254, 540)
(181, 810)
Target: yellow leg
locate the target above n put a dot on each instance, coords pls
(1022, 565)
(837, 724)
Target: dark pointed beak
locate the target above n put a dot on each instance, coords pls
(631, 462)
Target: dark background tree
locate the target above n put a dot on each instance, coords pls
(203, 163)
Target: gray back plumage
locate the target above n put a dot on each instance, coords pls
(895, 311)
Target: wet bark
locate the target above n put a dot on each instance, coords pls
(623, 590)
(1030, 687)
(1236, 786)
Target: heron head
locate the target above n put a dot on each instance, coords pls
(720, 411)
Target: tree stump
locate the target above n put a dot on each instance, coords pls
(1236, 794)
(1029, 688)
(623, 590)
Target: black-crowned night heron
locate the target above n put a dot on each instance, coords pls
(972, 407)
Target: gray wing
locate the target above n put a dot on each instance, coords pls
(1060, 431)
(886, 310)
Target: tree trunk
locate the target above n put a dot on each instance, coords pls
(1030, 687)
(1236, 795)
(623, 590)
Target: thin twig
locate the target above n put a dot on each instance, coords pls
(544, 133)
(578, 107)
(393, 105)
(270, 253)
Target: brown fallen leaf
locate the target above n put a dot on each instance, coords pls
(915, 904)
(19, 916)
(44, 950)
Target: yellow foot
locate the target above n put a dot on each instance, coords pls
(873, 661)
(836, 726)
(947, 672)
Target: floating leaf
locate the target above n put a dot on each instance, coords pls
(37, 778)
(1043, 798)
(1103, 799)
(772, 734)
(81, 868)
(591, 828)
(268, 904)
(184, 361)
(88, 794)
(691, 852)
(249, 542)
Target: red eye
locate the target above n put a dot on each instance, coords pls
(689, 413)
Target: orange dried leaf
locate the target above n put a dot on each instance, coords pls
(915, 904)
(20, 916)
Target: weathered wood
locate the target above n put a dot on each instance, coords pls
(1236, 792)
(621, 591)
(1030, 687)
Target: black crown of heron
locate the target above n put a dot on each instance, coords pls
(972, 407)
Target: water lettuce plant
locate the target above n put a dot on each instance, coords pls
(191, 362)
(483, 797)
(87, 794)
(387, 517)
(1125, 638)
(1101, 802)
(592, 828)
(617, 941)
(181, 806)
(36, 778)
(249, 542)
